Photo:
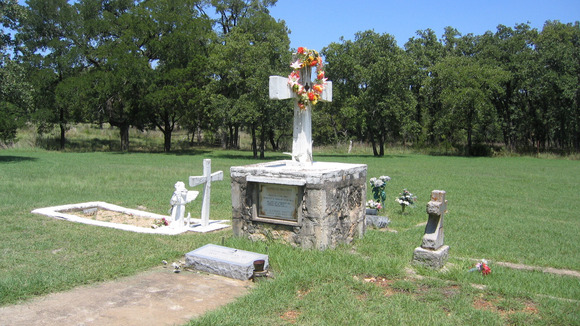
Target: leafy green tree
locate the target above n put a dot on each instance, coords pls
(425, 51)
(252, 46)
(15, 92)
(467, 88)
(512, 49)
(122, 70)
(176, 39)
(378, 85)
(341, 116)
(558, 86)
(232, 12)
(50, 34)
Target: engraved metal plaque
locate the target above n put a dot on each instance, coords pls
(278, 201)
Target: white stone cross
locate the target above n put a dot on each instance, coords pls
(206, 179)
(302, 133)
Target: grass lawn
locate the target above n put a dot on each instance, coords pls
(519, 210)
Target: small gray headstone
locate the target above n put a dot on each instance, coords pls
(432, 252)
(378, 221)
(224, 261)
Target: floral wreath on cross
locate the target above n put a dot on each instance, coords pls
(307, 58)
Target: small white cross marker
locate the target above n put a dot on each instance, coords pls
(206, 179)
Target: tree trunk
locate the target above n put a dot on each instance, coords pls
(192, 137)
(62, 129)
(237, 137)
(124, 131)
(469, 143)
(167, 130)
(233, 136)
(62, 135)
(272, 140)
(167, 140)
(198, 134)
(375, 153)
(262, 143)
(254, 142)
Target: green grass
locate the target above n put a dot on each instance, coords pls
(514, 209)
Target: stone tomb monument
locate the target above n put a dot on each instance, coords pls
(432, 252)
(305, 203)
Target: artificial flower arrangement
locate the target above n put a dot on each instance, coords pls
(306, 58)
(378, 188)
(482, 267)
(160, 223)
(406, 199)
(374, 205)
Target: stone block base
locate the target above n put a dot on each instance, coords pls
(326, 206)
(224, 261)
(431, 258)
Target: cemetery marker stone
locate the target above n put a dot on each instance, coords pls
(433, 253)
(180, 197)
(299, 201)
(302, 128)
(207, 178)
(224, 261)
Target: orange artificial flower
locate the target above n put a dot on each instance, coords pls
(317, 88)
(300, 50)
(313, 62)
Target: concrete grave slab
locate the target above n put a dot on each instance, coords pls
(65, 212)
(224, 261)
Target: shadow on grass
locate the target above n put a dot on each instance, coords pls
(76, 145)
(367, 156)
(247, 155)
(16, 159)
(179, 152)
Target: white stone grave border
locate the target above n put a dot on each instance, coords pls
(59, 212)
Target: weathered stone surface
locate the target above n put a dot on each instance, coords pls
(377, 221)
(331, 209)
(432, 252)
(431, 258)
(224, 261)
(434, 236)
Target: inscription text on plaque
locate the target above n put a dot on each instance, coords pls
(278, 201)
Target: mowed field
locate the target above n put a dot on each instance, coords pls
(515, 209)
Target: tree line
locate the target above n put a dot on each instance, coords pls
(203, 65)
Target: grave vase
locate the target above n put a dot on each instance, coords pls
(372, 211)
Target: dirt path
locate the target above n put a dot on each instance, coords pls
(155, 297)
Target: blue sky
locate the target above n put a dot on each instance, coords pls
(316, 23)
